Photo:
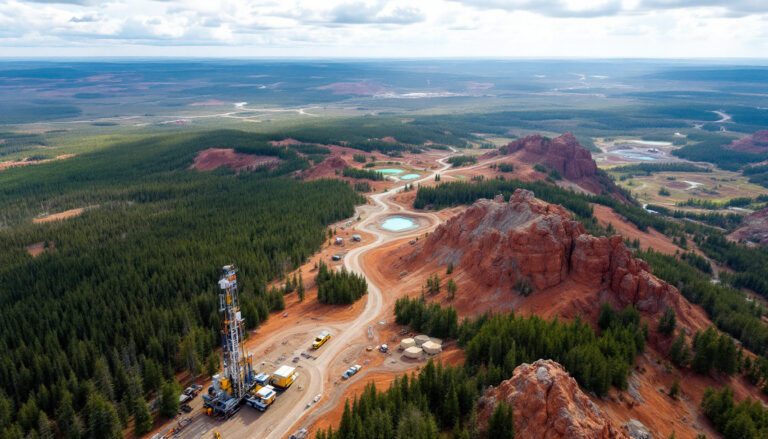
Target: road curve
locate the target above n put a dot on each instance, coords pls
(346, 333)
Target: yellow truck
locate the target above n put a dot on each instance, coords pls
(283, 377)
(321, 339)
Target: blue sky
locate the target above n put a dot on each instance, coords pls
(380, 28)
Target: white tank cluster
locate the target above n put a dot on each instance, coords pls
(417, 346)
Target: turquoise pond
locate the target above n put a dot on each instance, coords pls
(409, 176)
(397, 224)
(390, 171)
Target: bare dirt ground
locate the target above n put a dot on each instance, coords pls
(38, 248)
(212, 158)
(13, 164)
(71, 213)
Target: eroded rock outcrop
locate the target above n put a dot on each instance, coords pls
(548, 404)
(527, 241)
(565, 155)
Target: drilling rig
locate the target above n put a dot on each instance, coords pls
(238, 378)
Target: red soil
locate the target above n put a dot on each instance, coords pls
(38, 248)
(757, 142)
(213, 158)
(650, 239)
(25, 162)
(61, 215)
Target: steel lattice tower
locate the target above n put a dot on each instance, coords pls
(237, 364)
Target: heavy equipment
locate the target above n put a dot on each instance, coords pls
(238, 376)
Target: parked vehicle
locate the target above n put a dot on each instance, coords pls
(351, 371)
(186, 408)
(321, 339)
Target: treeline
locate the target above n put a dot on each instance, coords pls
(418, 406)
(717, 205)
(749, 264)
(503, 167)
(461, 160)
(368, 174)
(365, 133)
(724, 305)
(428, 318)
(745, 420)
(495, 345)
(723, 220)
(708, 147)
(339, 287)
(125, 296)
(456, 193)
(649, 168)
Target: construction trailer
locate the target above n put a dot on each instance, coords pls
(238, 377)
(283, 377)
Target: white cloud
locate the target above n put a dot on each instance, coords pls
(399, 28)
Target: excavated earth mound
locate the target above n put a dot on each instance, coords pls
(754, 229)
(529, 244)
(757, 142)
(548, 404)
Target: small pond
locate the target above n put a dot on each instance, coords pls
(390, 171)
(397, 224)
(409, 176)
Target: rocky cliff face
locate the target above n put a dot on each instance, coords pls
(548, 404)
(754, 229)
(566, 156)
(757, 142)
(529, 242)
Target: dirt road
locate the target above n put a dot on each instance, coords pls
(315, 375)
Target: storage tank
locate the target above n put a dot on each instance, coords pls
(406, 343)
(432, 348)
(421, 339)
(413, 352)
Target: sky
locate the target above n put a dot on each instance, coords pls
(383, 28)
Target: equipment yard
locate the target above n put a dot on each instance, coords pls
(319, 371)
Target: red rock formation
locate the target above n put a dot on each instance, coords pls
(754, 228)
(757, 142)
(548, 404)
(527, 240)
(566, 156)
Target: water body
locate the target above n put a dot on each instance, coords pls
(651, 142)
(409, 176)
(632, 155)
(390, 171)
(397, 224)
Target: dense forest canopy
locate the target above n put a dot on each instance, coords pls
(127, 291)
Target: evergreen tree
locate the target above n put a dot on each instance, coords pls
(212, 364)
(501, 425)
(667, 321)
(169, 398)
(142, 419)
(102, 419)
